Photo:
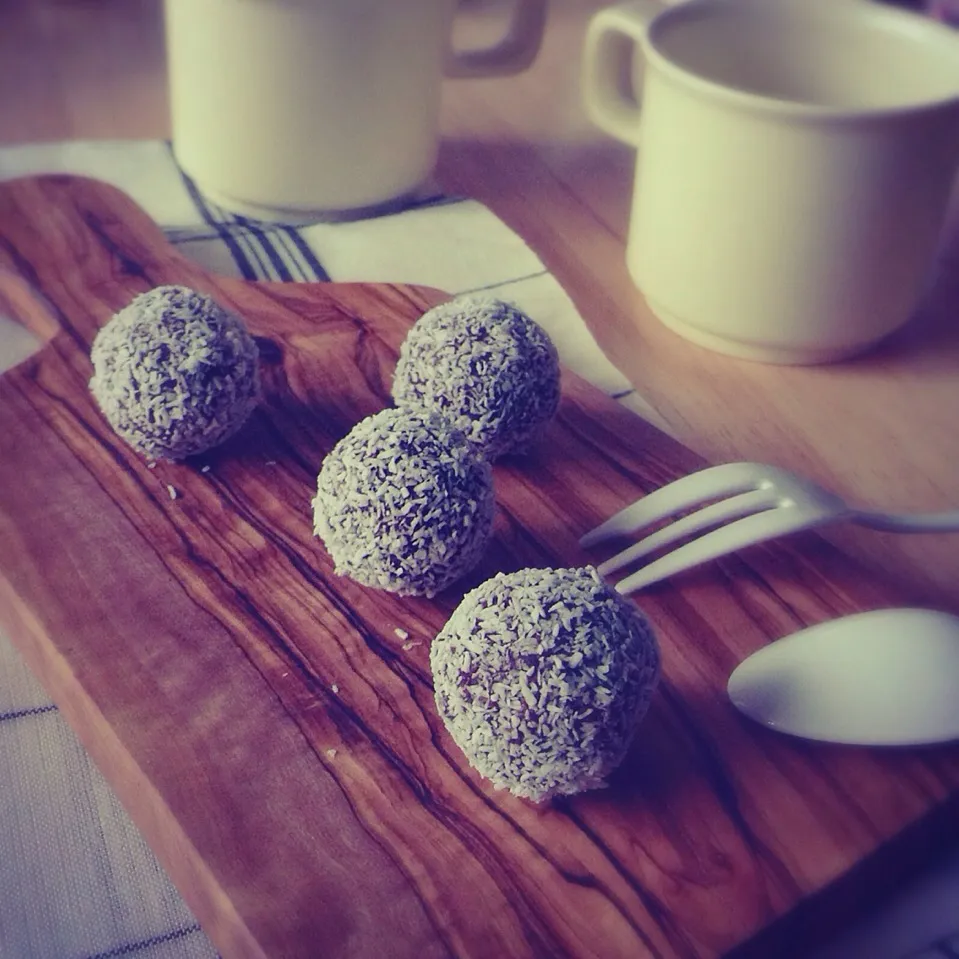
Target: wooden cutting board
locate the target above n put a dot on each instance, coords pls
(271, 727)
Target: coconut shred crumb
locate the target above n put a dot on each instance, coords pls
(173, 491)
(541, 677)
(204, 469)
(331, 754)
(401, 633)
(335, 688)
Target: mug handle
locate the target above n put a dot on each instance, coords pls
(513, 54)
(615, 36)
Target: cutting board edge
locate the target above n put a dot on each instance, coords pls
(166, 837)
(835, 907)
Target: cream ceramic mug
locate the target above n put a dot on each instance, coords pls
(795, 160)
(290, 109)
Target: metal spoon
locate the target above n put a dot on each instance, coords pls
(889, 677)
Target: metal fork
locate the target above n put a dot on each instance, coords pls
(753, 503)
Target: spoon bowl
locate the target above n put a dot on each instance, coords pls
(888, 677)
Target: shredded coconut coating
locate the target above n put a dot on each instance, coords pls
(404, 503)
(485, 366)
(174, 373)
(541, 677)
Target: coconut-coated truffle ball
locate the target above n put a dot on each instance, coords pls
(486, 366)
(404, 503)
(541, 677)
(175, 373)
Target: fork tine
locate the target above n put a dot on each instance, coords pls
(691, 490)
(725, 510)
(720, 542)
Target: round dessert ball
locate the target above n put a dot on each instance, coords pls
(175, 373)
(404, 503)
(541, 677)
(486, 366)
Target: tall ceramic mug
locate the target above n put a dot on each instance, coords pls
(795, 159)
(287, 109)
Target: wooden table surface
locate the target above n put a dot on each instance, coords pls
(882, 430)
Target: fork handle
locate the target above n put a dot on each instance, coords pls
(908, 522)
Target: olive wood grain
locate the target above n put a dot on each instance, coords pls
(270, 726)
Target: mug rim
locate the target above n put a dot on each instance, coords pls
(797, 109)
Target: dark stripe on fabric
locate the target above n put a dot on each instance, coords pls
(502, 283)
(294, 260)
(239, 257)
(622, 394)
(297, 264)
(262, 268)
(221, 221)
(301, 257)
(178, 235)
(259, 235)
(241, 235)
(309, 257)
(32, 711)
(127, 948)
